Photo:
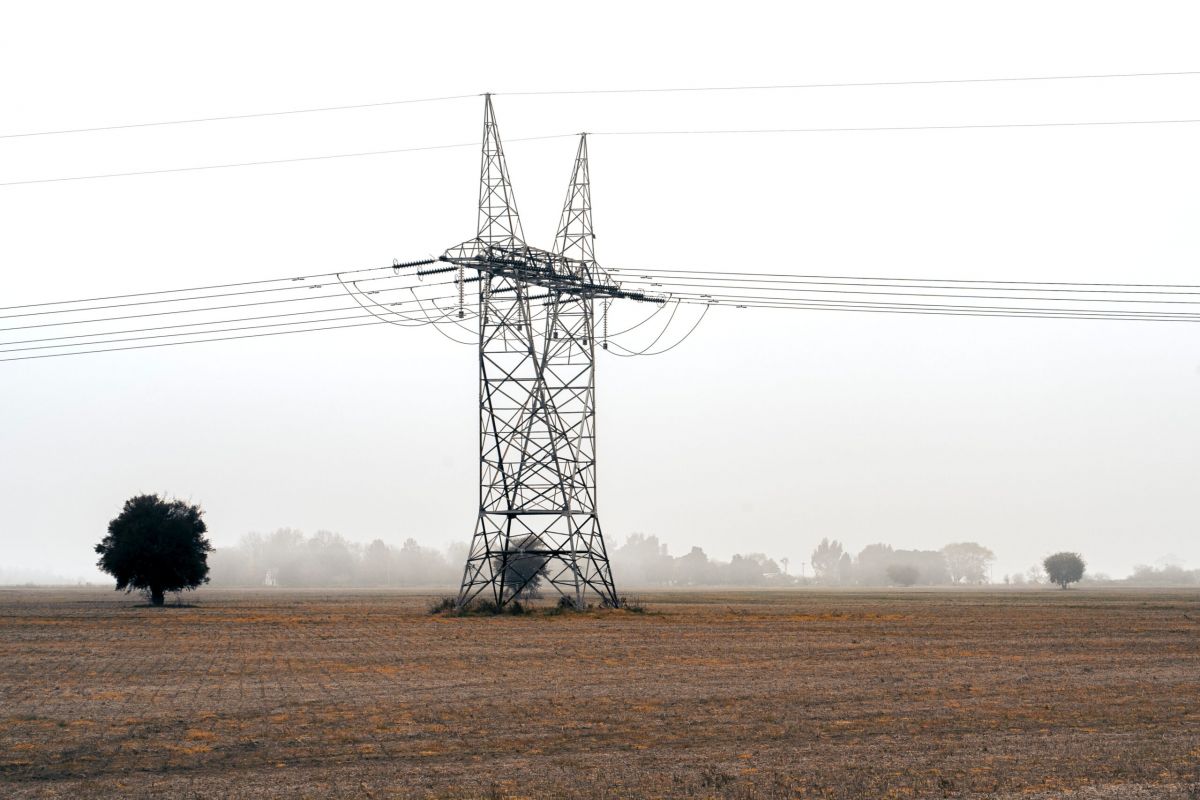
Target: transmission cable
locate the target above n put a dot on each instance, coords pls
(237, 284)
(438, 328)
(196, 341)
(639, 276)
(861, 277)
(683, 339)
(198, 310)
(656, 339)
(658, 310)
(647, 272)
(410, 323)
(10, 349)
(915, 294)
(960, 127)
(228, 117)
(696, 132)
(185, 333)
(272, 161)
(654, 270)
(845, 85)
(737, 298)
(194, 324)
(308, 286)
(948, 311)
(627, 90)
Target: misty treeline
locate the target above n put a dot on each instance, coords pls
(1169, 575)
(289, 558)
(645, 561)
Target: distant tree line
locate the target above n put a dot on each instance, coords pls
(645, 561)
(289, 558)
(1144, 575)
(962, 563)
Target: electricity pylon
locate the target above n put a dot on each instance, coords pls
(538, 517)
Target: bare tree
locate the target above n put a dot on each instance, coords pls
(968, 562)
(825, 560)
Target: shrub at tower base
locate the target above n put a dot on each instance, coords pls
(156, 545)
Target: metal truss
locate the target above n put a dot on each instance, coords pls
(538, 522)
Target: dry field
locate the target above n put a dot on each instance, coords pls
(740, 694)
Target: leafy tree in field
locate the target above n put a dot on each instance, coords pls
(826, 558)
(967, 561)
(156, 545)
(1064, 568)
(903, 574)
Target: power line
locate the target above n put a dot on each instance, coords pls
(291, 314)
(563, 92)
(219, 330)
(698, 279)
(173, 335)
(244, 292)
(844, 85)
(268, 162)
(197, 341)
(274, 161)
(233, 165)
(228, 117)
(208, 333)
(697, 132)
(703, 285)
(646, 351)
(206, 288)
(1087, 123)
(944, 310)
(737, 298)
(936, 312)
(648, 272)
(656, 270)
(197, 310)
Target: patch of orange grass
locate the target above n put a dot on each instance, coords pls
(196, 734)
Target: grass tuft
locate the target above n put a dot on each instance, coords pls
(476, 608)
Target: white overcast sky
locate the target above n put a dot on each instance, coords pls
(767, 430)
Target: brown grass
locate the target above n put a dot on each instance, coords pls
(737, 694)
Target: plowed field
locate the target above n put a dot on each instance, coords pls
(739, 694)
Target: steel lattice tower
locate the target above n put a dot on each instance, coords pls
(537, 410)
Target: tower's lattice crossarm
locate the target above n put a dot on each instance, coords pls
(532, 265)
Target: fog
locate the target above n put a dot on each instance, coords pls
(766, 431)
(288, 558)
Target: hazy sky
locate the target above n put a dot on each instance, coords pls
(764, 432)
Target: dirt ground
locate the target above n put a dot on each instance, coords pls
(737, 694)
